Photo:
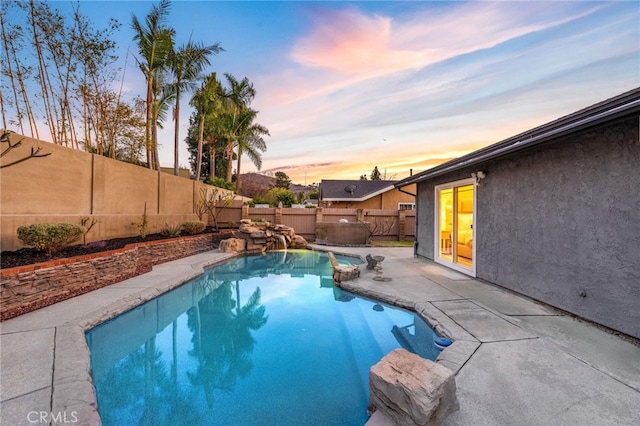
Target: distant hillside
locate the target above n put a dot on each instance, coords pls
(256, 183)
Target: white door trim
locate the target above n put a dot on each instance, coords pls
(436, 240)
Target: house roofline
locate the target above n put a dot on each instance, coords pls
(621, 106)
(364, 197)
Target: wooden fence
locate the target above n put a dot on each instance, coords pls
(385, 224)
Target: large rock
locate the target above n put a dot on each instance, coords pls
(298, 242)
(343, 272)
(259, 237)
(412, 391)
(232, 245)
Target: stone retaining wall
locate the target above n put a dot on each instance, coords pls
(27, 288)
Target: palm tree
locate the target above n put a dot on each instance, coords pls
(163, 96)
(250, 142)
(240, 94)
(187, 63)
(155, 42)
(207, 100)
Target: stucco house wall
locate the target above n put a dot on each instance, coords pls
(560, 223)
(390, 199)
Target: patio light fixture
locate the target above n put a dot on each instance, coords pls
(478, 176)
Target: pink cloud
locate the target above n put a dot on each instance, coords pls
(354, 43)
(351, 42)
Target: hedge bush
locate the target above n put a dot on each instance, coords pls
(50, 237)
(194, 227)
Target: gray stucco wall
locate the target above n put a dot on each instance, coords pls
(561, 224)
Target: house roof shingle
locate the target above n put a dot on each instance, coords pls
(353, 190)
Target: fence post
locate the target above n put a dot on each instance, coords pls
(245, 211)
(402, 223)
(318, 215)
(360, 215)
(278, 216)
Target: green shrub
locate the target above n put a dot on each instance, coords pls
(220, 183)
(275, 196)
(258, 199)
(171, 230)
(50, 237)
(231, 224)
(194, 227)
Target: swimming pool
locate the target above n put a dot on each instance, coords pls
(296, 350)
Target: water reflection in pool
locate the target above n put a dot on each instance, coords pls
(259, 340)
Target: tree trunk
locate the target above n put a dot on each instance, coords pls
(199, 159)
(43, 75)
(147, 131)
(176, 135)
(154, 141)
(13, 83)
(238, 170)
(229, 161)
(212, 157)
(4, 114)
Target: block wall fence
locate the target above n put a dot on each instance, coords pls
(69, 185)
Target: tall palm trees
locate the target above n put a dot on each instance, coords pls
(155, 43)
(225, 113)
(250, 142)
(187, 63)
(224, 116)
(157, 57)
(242, 132)
(207, 101)
(240, 95)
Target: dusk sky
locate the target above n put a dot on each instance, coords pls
(346, 86)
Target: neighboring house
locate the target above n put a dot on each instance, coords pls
(552, 213)
(365, 194)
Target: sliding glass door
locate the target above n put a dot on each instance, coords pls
(455, 216)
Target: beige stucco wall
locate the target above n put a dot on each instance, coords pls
(122, 188)
(60, 182)
(178, 194)
(390, 199)
(70, 184)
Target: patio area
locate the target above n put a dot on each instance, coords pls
(517, 361)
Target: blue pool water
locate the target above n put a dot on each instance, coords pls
(295, 350)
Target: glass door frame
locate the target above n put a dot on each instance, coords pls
(436, 231)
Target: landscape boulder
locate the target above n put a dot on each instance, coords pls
(343, 272)
(232, 245)
(411, 390)
(259, 237)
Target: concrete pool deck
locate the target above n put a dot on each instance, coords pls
(518, 362)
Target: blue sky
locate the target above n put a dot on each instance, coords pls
(346, 86)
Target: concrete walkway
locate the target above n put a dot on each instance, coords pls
(517, 362)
